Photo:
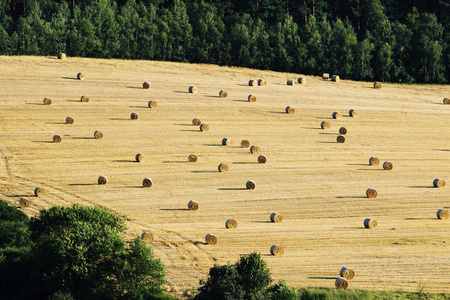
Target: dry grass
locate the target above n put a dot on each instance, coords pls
(317, 184)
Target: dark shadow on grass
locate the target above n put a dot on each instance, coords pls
(199, 243)
(350, 197)
(324, 118)
(183, 209)
(119, 119)
(73, 100)
(422, 187)
(409, 219)
(130, 187)
(56, 123)
(35, 103)
(240, 100)
(327, 142)
(181, 92)
(82, 138)
(446, 150)
(278, 112)
(323, 277)
(125, 160)
(260, 221)
(20, 196)
(357, 164)
(212, 145)
(72, 78)
(136, 87)
(245, 163)
(174, 162)
(45, 142)
(205, 171)
(231, 189)
(371, 169)
(190, 130)
(82, 184)
(328, 133)
(312, 128)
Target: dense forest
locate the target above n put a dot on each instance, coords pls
(403, 41)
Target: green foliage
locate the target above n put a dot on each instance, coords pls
(247, 279)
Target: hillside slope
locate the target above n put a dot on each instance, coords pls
(317, 184)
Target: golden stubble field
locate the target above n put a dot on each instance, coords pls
(317, 184)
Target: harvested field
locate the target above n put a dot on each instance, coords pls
(308, 171)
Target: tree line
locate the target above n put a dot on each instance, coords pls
(404, 41)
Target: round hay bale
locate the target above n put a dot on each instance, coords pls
(147, 236)
(347, 273)
(139, 157)
(254, 149)
(231, 224)
(340, 139)
(211, 239)
(301, 80)
(80, 76)
(262, 159)
(84, 99)
(134, 116)
(152, 104)
(98, 134)
(250, 185)
(276, 217)
(192, 158)
(439, 183)
(290, 82)
(61, 55)
(353, 113)
(245, 144)
(193, 89)
(387, 165)
(341, 283)
(371, 193)
(335, 78)
(289, 110)
(373, 161)
(446, 101)
(343, 130)
(262, 82)
(336, 115)
(146, 85)
(147, 182)
(252, 82)
(24, 202)
(276, 250)
(251, 98)
(227, 142)
(196, 122)
(102, 179)
(193, 205)
(56, 138)
(325, 76)
(325, 125)
(223, 94)
(223, 168)
(370, 223)
(442, 214)
(69, 120)
(377, 85)
(204, 127)
(47, 101)
(39, 191)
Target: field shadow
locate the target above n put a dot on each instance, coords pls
(45, 142)
(211, 96)
(312, 128)
(199, 243)
(265, 254)
(174, 209)
(322, 277)
(213, 145)
(325, 118)
(357, 164)
(350, 197)
(129, 187)
(320, 142)
(82, 138)
(56, 123)
(327, 133)
(35, 103)
(135, 87)
(245, 163)
(231, 189)
(72, 78)
(175, 162)
(82, 184)
(125, 160)
(410, 219)
(73, 100)
(119, 119)
(260, 221)
(191, 130)
(371, 169)
(446, 150)
(278, 112)
(240, 100)
(205, 171)
(20, 196)
(181, 92)
(421, 187)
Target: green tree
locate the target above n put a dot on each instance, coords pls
(247, 279)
